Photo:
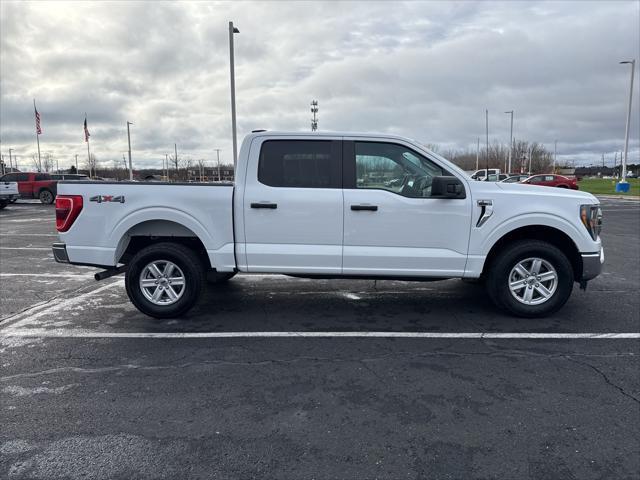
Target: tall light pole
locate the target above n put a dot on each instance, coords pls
(510, 142)
(478, 154)
(129, 140)
(165, 167)
(555, 155)
(10, 160)
(233, 30)
(314, 120)
(77, 163)
(626, 134)
(487, 131)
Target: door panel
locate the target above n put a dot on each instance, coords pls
(291, 223)
(409, 234)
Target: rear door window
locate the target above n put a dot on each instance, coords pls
(22, 177)
(42, 176)
(301, 163)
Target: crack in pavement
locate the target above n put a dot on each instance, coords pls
(316, 359)
(606, 379)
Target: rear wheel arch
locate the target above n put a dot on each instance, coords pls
(150, 232)
(544, 233)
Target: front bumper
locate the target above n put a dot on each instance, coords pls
(60, 252)
(592, 265)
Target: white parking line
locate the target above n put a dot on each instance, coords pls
(28, 234)
(48, 275)
(42, 333)
(26, 248)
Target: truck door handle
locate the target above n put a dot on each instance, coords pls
(371, 208)
(272, 206)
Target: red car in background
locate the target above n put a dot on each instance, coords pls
(34, 185)
(552, 181)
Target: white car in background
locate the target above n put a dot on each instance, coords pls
(8, 193)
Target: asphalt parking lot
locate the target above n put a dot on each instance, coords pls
(90, 388)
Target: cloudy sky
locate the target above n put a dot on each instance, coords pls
(426, 70)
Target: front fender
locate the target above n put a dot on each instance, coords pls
(574, 231)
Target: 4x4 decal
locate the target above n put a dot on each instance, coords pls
(107, 198)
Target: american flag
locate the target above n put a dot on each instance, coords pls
(38, 129)
(86, 130)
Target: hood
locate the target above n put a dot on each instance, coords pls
(547, 191)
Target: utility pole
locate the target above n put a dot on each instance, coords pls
(57, 166)
(77, 163)
(314, 120)
(555, 156)
(165, 167)
(10, 160)
(510, 142)
(603, 160)
(218, 153)
(487, 131)
(129, 140)
(615, 163)
(233, 30)
(530, 158)
(478, 154)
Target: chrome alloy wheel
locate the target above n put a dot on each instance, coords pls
(533, 281)
(162, 282)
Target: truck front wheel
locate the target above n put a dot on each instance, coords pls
(165, 280)
(530, 278)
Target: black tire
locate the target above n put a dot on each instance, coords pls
(219, 277)
(13, 200)
(185, 259)
(3, 204)
(498, 278)
(46, 197)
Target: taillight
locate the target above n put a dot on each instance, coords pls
(68, 207)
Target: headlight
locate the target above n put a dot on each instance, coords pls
(591, 217)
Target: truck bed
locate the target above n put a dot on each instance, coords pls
(113, 212)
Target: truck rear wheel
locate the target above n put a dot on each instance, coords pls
(46, 197)
(530, 278)
(165, 280)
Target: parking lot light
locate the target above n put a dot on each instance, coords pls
(623, 186)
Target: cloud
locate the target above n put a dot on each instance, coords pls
(426, 70)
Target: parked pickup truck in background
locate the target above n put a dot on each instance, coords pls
(327, 205)
(33, 185)
(8, 193)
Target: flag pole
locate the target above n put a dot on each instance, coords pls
(88, 157)
(35, 111)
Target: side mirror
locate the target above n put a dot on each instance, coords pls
(447, 187)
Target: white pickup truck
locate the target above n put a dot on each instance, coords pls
(333, 205)
(8, 193)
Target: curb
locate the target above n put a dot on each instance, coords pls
(619, 197)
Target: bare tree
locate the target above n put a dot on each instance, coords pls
(36, 163)
(201, 167)
(92, 163)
